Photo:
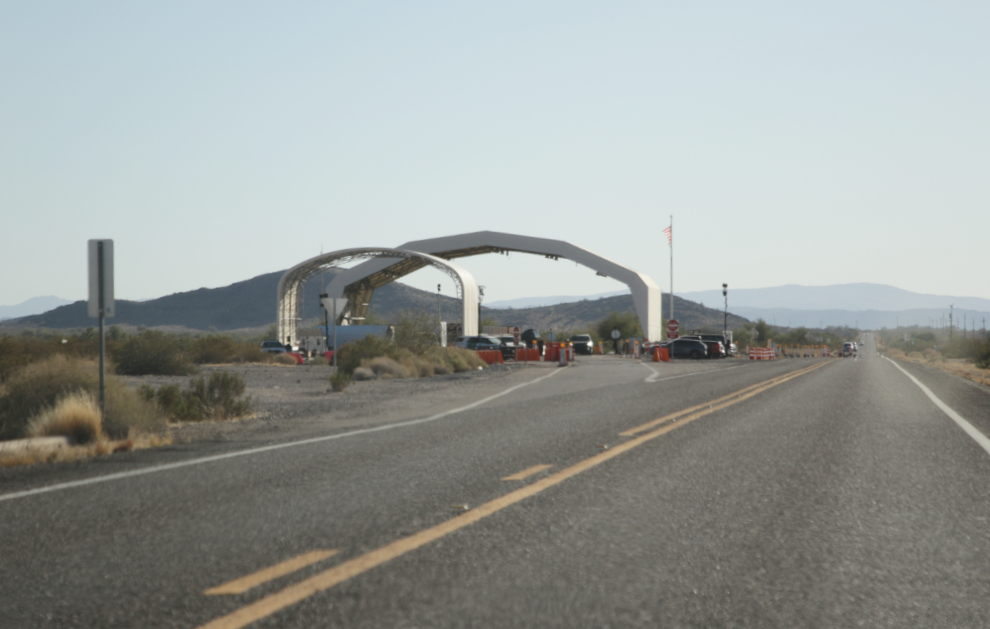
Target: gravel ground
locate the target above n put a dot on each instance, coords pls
(294, 400)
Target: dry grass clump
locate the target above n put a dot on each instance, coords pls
(75, 415)
(283, 359)
(41, 384)
(101, 447)
(385, 368)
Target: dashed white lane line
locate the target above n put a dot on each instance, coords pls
(967, 427)
(290, 444)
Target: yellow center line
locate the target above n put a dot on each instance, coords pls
(529, 471)
(239, 586)
(666, 418)
(338, 574)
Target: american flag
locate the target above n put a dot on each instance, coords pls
(667, 233)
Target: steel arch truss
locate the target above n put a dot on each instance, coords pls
(394, 263)
(374, 273)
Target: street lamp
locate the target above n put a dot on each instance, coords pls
(725, 320)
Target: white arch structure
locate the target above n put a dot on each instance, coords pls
(358, 282)
(399, 262)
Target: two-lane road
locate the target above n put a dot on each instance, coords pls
(784, 493)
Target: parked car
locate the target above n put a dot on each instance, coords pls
(482, 341)
(583, 344)
(272, 347)
(714, 343)
(687, 348)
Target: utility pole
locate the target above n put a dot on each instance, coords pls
(725, 320)
(950, 321)
(481, 296)
(438, 306)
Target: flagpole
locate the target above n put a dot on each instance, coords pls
(671, 266)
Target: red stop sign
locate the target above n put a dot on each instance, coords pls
(673, 325)
(515, 333)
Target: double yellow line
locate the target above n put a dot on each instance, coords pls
(722, 402)
(333, 576)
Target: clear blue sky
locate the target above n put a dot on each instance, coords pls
(794, 142)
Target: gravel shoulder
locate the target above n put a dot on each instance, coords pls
(297, 401)
(292, 401)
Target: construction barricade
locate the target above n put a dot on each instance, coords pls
(551, 352)
(491, 356)
(761, 353)
(528, 354)
(660, 355)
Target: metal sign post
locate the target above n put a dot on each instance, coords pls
(334, 306)
(101, 299)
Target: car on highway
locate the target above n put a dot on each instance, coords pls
(583, 344)
(272, 347)
(848, 349)
(686, 348)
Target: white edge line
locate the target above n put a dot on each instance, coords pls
(230, 455)
(967, 427)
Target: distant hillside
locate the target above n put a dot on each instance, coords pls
(251, 304)
(247, 304)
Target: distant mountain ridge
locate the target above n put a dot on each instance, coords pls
(553, 300)
(861, 296)
(250, 304)
(35, 305)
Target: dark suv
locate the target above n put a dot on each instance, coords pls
(583, 344)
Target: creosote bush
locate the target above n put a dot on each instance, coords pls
(151, 352)
(340, 379)
(217, 398)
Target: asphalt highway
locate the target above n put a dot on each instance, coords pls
(789, 493)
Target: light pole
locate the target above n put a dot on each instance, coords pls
(725, 319)
(438, 306)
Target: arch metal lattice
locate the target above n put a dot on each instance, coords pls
(358, 282)
(290, 286)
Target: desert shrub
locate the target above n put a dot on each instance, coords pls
(416, 331)
(895, 353)
(217, 349)
(42, 383)
(627, 323)
(363, 373)
(282, 359)
(455, 359)
(75, 415)
(216, 398)
(19, 351)
(340, 379)
(151, 353)
(350, 356)
(916, 355)
(385, 367)
(417, 366)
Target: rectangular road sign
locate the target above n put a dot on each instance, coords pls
(101, 278)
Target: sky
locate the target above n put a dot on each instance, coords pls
(810, 143)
